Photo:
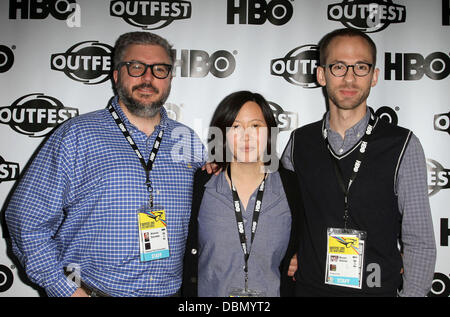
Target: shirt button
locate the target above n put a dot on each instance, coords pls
(341, 150)
(194, 251)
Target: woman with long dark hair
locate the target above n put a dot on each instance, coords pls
(243, 228)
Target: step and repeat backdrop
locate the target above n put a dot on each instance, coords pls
(55, 63)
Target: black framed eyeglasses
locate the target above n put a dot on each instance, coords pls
(340, 69)
(137, 69)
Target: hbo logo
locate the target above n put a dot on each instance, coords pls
(198, 63)
(412, 66)
(278, 12)
(40, 9)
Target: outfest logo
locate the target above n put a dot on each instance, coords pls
(286, 120)
(438, 177)
(88, 62)
(367, 15)
(35, 114)
(9, 171)
(298, 67)
(150, 15)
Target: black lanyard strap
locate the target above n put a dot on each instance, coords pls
(240, 220)
(356, 166)
(148, 166)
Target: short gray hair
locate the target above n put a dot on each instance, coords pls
(143, 38)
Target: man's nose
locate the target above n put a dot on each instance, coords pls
(350, 75)
(148, 75)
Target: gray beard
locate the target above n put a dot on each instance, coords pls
(142, 110)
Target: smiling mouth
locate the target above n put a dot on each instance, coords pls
(146, 89)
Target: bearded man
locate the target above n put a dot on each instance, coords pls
(104, 207)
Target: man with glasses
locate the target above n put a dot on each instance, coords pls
(367, 228)
(104, 208)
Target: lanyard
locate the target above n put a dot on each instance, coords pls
(356, 166)
(240, 220)
(147, 166)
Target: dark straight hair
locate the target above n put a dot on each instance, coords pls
(224, 116)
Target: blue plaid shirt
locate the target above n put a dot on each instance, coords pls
(77, 204)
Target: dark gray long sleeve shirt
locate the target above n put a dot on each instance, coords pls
(221, 259)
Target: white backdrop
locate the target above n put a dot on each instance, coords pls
(54, 64)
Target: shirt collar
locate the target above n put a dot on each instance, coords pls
(222, 187)
(358, 129)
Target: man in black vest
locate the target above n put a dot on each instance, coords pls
(367, 229)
